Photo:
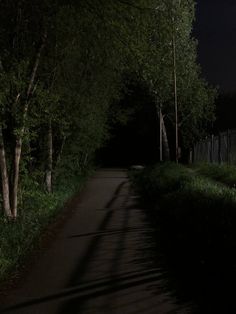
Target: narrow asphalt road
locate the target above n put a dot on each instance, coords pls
(99, 262)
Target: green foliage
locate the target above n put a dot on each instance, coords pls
(172, 36)
(38, 209)
(222, 173)
(155, 181)
(195, 213)
(90, 47)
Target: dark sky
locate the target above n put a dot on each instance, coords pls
(215, 30)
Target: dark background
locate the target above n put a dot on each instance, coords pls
(215, 29)
(137, 141)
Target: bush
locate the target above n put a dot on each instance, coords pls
(155, 181)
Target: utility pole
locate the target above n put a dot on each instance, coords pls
(175, 85)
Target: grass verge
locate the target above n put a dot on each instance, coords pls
(196, 215)
(222, 173)
(37, 209)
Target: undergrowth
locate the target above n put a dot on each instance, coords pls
(196, 214)
(222, 173)
(36, 210)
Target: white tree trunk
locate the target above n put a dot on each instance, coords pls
(60, 152)
(18, 149)
(5, 180)
(165, 141)
(160, 133)
(49, 159)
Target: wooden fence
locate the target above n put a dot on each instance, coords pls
(219, 148)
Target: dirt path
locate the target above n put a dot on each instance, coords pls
(100, 261)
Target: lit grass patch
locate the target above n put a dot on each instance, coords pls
(37, 209)
(196, 214)
(225, 174)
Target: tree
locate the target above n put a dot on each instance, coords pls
(62, 65)
(173, 74)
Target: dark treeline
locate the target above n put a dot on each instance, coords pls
(65, 67)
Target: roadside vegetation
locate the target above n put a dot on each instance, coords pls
(195, 214)
(225, 174)
(37, 210)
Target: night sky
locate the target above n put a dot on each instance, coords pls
(215, 29)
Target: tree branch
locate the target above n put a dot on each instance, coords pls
(35, 68)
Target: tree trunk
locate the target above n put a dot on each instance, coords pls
(18, 149)
(160, 133)
(166, 148)
(58, 158)
(49, 159)
(219, 149)
(5, 180)
(163, 140)
(19, 139)
(85, 160)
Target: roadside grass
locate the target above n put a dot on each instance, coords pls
(225, 174)
(196, 215)
(155, 181)
(37, 209)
